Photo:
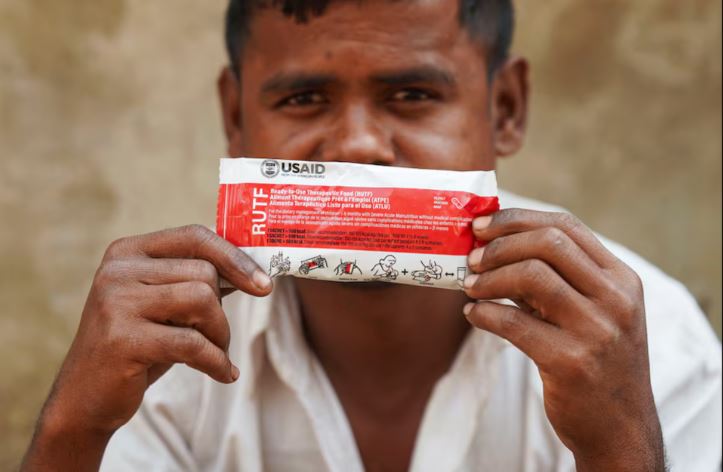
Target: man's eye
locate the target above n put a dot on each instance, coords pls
(304, 99)
(411, 95)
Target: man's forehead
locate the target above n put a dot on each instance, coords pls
(387, 25)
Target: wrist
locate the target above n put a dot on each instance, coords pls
(643, 462)
(631, 443)
(641, 453)
(62, 441)
(57, 424)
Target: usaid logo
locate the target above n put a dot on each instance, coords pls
(270, 168)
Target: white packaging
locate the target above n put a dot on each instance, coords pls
(354, 222)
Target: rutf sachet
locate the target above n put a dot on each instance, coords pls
(354, 222)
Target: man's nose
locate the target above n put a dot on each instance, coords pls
(358, 137)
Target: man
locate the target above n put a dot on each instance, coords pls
(328, 376)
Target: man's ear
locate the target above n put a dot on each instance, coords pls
(229, 94)
(509, 98)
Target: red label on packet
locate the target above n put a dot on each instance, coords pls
(354, 218)
(375, 223)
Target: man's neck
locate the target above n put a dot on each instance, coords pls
(380, 340)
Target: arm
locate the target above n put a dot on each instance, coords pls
(581, 319)
(155, 301)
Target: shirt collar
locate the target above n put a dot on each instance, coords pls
(269, 328)
(275, 331)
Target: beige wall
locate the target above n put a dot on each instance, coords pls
(109, 126)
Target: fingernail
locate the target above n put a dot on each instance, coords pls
(475, 257)
(470, 280)
(235, 373)
(261, 280)
(481, 223)
(467, 309)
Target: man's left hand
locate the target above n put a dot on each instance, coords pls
(580, 317)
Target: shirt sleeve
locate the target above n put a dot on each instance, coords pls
(157, 438)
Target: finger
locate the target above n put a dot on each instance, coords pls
(172, 345)
(549, 244)
(187, 304)
(522, 305)
(536, 284)
(199, 242)
(540, 341)
(156, 371)
(168, 271)
(515, 220)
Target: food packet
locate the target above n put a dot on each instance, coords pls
(354, 222)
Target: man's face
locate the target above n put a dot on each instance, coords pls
(381, 82)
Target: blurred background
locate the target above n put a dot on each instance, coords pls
(109, 126)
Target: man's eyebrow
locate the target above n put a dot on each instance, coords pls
(284, 82)
(417, 74)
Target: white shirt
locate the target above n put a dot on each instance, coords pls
(486, 413)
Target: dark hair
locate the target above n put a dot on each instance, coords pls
(489, 21)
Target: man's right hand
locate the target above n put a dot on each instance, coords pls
(155, 301)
